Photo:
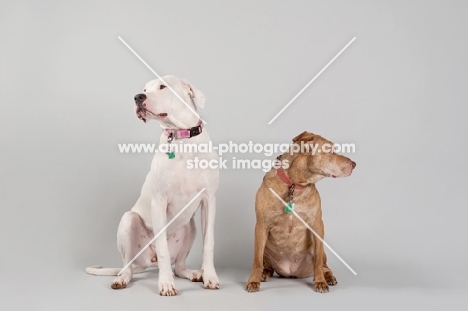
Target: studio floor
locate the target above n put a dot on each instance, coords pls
(73, 289)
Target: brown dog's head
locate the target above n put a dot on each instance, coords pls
(318, 157)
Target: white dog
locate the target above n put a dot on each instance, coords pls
(168, 187)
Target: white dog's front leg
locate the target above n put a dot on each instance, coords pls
(166, 283)
(210, 279)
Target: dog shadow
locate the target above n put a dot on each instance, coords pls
(149, 280)
(388, 276)
(385, 276)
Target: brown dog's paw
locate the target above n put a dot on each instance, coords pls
(253, 287)
(321, 287)
(266, 274)
(331, 280)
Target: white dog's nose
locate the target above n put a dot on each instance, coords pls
(139, 98)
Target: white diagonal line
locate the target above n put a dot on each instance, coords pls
(160, 78)
(313, 79)
(162, 230)
(315, 233)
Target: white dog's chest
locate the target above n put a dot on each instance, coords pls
(172, 182)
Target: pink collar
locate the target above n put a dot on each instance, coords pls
(287, 181)
(185, 133)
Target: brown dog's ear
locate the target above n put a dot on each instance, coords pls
(195, 93)
(305, 136)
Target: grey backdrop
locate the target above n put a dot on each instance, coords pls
(399, 93)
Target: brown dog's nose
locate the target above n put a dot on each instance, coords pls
(139, 98)
(353, 164)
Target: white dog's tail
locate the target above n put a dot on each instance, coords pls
(99, 270)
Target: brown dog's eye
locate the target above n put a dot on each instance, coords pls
(162, 86)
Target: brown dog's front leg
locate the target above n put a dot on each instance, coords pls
(329, 277)
(320, 284)
(261, 235)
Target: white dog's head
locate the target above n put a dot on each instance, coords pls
(158, 102)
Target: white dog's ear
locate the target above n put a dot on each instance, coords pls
(195, 93)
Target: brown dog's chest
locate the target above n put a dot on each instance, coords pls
(287, 234)
(289, 248)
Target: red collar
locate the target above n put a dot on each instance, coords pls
(287, 181)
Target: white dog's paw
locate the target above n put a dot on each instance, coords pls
(167, 288)
(192, 275)
(210, 280)
(118, 283)
(197, 276)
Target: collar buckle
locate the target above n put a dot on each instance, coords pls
(196, 130)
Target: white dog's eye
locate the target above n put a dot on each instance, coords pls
(162, 86)
(144, 90)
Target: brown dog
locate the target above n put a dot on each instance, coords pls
(282, 243)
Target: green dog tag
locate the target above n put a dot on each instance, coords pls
(288, 207)
(171, 155)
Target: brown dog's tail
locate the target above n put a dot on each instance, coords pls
(99, 270)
